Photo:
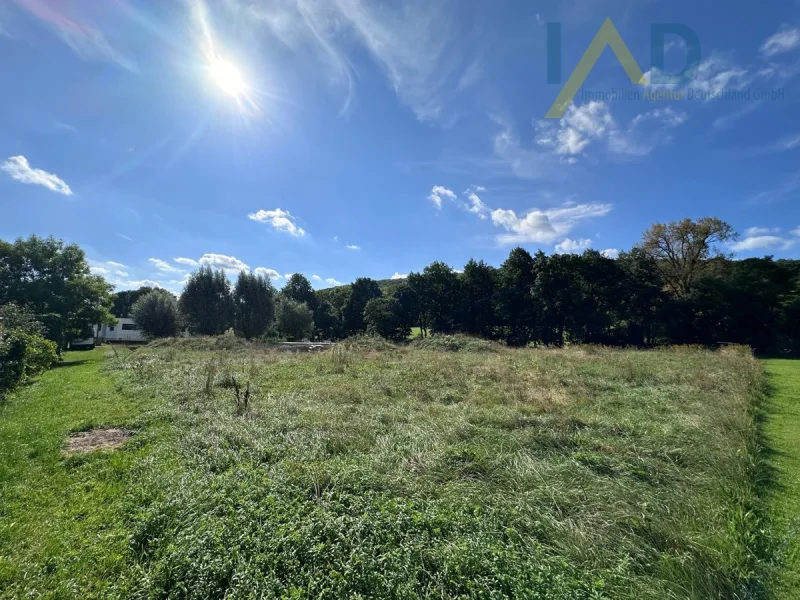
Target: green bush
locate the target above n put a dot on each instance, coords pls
(23, 355)
(455, 343)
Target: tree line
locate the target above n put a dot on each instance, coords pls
(677, 286)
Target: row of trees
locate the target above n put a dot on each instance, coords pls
(676, 286)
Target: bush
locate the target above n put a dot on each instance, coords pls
(23, 355)
(455, 343)
(156, 314)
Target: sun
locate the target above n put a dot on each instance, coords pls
(227, 77)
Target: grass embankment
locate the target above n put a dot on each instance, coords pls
(782, 431)
(61, 519)
(396, 473)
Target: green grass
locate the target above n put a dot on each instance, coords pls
(61, 529)
(782, 431)
(387, 472)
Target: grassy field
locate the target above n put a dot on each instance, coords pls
(783, 437)
(383, 472)
(62, 520)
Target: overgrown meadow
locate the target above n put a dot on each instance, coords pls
(446, 469)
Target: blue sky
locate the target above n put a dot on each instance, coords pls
(346, 138)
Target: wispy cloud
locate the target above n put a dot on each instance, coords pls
(439, 194)
(353, 247)
(19, 169)
(789, 189)
(189, 262)
(164, 266)
(125, 237)
(785, 144)
(281, 220)
(785, 40)
(86, 41)
(593, 122)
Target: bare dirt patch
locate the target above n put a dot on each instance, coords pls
(96, 439)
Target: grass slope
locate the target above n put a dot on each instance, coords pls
(61, 528)
(782, 430)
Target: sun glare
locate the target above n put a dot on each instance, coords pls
(228, 77)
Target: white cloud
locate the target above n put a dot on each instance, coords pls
(438, 193)
(568, 246)
(125, 237)
(353, 247)
(281, 220)
(762, 242)
(163, 265)
(332, 281)
(611, 253)
(19, 169)
(134, 285)
(268, 273)
(316, 278)
(186, 261)
(397, 276)
(476, 205)
(415, 43)
(112, 271)
(756, 231)
(545, 227)
(783, 41)
(593, 122)
(796, 232)
(785, 144)
(229, 264)
(288, 275)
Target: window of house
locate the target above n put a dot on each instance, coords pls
(111, 328)
(129, 327)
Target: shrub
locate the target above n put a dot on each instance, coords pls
(455, 343)
(156, 314)
(23, 355)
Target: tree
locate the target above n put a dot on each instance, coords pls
(254, 302)
(124, 301)
(362, 291)
(478, 298)
(327, 321)
(517, 308)
(558, 295)
(383, 317)
(54, 281)
(684, 249)
(440, 295)
(299, 289)
(294, 319)
(156, 314)
(207, 303)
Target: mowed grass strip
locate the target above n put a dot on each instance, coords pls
(782, 431)
(389, 473)
(62, 533)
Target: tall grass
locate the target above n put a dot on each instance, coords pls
(417, 472)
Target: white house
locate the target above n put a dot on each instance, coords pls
(124, 331)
